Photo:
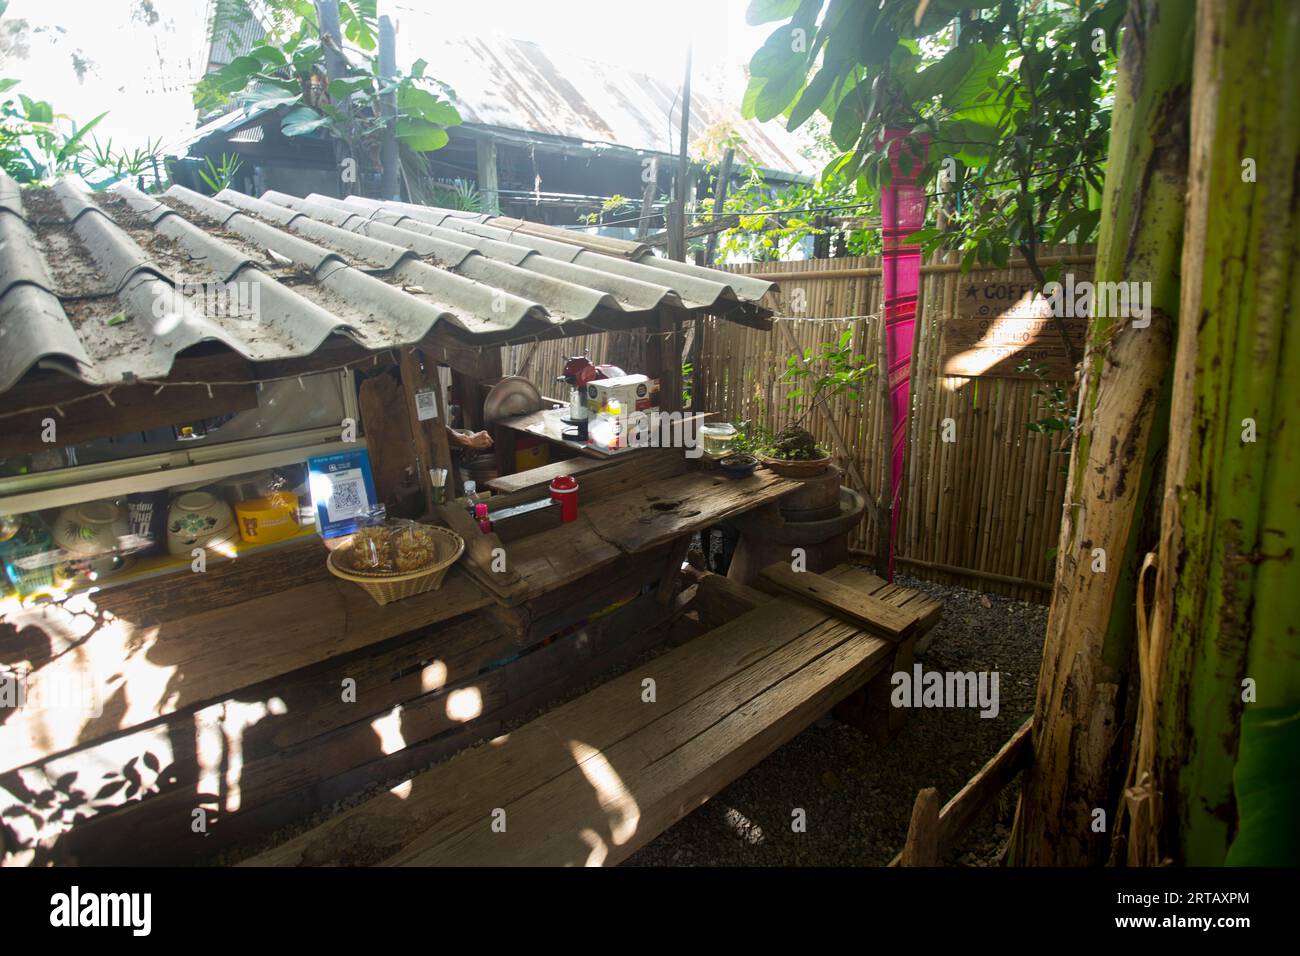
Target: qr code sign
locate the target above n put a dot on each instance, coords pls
(347, 500)
(426, 405)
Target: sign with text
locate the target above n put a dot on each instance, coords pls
(1000, 329)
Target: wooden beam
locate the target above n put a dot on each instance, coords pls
(922, 846)
(953, 569)
(719, 200)
(710, 228)
(958, 813)
(430, 436)
(388, 434)
(721, 600)
(540, 478)
(673, 569)
(677, 220)
(651, 177)
(934, 268)
(485, 154)
(892, 623)
(390, 178)
(134, 408)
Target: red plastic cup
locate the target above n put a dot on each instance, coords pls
(564, 489)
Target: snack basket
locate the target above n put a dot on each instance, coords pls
(386, 587)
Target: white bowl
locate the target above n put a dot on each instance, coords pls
(198, 519)
(91, 533)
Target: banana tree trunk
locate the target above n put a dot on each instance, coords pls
(1225, 651)
(1086, 692)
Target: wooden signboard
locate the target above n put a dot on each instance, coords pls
(1000, 329)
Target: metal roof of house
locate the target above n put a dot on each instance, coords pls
(110, 287)
(515, 84)
(508, 84)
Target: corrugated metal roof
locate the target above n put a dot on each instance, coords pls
(516, 84)
(110, 287)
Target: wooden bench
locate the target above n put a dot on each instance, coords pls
(595, 779)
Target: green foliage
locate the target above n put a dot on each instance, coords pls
(34, 146)
(1267, 789)
(38, 145)
(286, 71)
(611, 206)
(1061, 410)
(1016, 97)
(124, 163)
(773, 222)
(458, 194)
(219, 175)
(795, 443)
(752, 438)
(821, 374)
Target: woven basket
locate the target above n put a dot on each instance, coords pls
(386, 588)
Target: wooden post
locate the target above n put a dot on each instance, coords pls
(390, 179)
(336, 67)
(719, 201)
(663, 360)
(681, 182)
(430, 435)
(648, 195)
(485, 152)
(922, 846)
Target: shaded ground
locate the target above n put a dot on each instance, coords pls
(857, 796)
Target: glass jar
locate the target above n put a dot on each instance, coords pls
(718, 439)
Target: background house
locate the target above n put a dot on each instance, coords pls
(547, 136)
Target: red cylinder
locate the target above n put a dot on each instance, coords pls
(564, 489)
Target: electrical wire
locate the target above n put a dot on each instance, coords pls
(833, 206)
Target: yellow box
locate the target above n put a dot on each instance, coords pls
(263, 520)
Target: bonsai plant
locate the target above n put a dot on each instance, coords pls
(794, 451)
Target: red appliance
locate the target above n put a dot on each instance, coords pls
(578, 371)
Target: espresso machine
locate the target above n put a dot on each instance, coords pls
(578, 372)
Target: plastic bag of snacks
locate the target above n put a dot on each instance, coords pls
(392, 547)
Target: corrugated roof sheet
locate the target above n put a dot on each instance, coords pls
(110, 287)
(516, 84)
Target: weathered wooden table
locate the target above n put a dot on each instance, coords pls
(265, 688)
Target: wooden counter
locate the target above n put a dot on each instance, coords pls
(264, 687)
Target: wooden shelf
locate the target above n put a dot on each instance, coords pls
(150, 648)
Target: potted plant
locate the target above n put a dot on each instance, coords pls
(793, 452)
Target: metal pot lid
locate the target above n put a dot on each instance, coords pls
(511, 396)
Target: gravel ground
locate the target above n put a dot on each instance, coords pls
(857, 796)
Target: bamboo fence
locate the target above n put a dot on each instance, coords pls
(982, 510)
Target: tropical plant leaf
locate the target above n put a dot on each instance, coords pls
(1267, 788)
(421, 135)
